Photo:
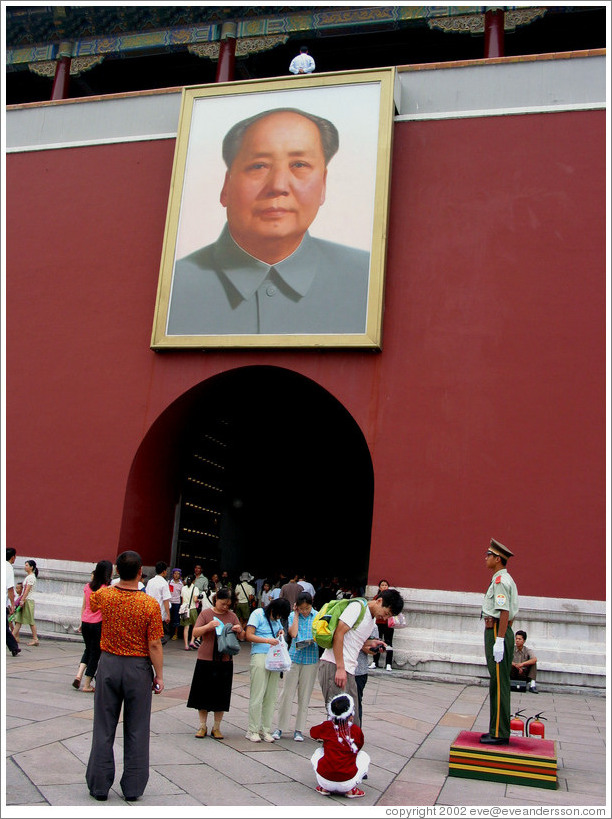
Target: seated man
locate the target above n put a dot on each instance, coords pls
(524, 663)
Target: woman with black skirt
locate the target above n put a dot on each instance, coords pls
(211, 687)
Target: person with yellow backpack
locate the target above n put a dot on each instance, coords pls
(348, 625)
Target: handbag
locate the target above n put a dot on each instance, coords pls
(227, 642)
(185, 607)
(277, 658)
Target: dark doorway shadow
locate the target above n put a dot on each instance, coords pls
(270, 472)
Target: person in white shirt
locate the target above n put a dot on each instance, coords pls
(11, 642)
(158, 588)
(306, 585)
(116, 580)
(303, 63)
(337, 665)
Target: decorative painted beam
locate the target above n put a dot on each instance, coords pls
(446, 18)
(475, 23)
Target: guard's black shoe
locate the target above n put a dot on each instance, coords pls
(99, 797)
(15, 651)
(487, 739)
(131, 798)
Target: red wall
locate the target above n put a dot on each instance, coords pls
(484, 414)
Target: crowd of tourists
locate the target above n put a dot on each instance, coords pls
(125, 623)
(298, 628)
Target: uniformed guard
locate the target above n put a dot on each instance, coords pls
(499, 609)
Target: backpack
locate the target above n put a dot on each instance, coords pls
(325, 622)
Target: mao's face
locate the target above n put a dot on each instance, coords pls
(275, 185)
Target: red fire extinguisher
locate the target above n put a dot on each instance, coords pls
(517, 725)
(534, 727)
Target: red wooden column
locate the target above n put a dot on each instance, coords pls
(61, 81)
(227, 53)
(494, 32)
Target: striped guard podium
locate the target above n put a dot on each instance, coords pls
(524, 761)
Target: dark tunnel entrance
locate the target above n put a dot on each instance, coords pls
(274, 475)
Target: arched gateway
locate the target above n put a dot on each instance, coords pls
(256, 469)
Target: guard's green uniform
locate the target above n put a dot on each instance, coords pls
(501, 596)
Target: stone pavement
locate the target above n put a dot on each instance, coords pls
(409, 725)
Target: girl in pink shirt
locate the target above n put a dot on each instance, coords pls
(91, 626)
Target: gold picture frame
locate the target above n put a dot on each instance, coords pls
(224, 281)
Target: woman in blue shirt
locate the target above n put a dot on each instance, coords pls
(262, 631)
(304, 655)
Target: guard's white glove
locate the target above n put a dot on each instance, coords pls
(498, 649)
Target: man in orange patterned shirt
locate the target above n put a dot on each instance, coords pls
(131, 666)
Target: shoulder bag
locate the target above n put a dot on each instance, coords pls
(185, 607)
(227, 642)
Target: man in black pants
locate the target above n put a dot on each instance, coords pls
(131, 666)
(11, 642)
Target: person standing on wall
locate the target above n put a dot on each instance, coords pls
(302, 63)
(499, 608)
(131, 666)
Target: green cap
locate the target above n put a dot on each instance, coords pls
(499, 549)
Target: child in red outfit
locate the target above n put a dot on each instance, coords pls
(340, 764)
